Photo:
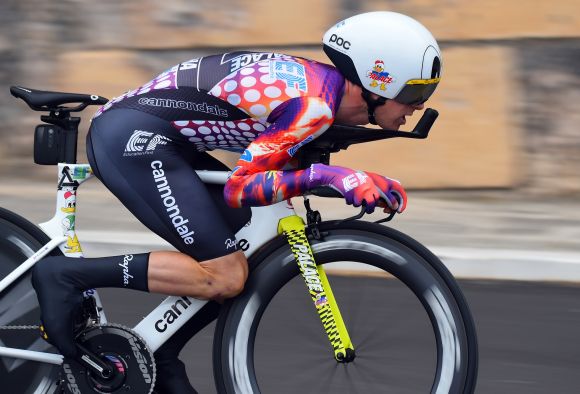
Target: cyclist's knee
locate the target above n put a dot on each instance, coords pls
(229, 274)
(233, 279)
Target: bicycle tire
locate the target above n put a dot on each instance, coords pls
(273, 266)
(19, 239)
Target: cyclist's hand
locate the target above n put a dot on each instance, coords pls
(358, 189)
(393, 195)
(356, 186)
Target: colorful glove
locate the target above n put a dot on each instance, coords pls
(356, 186)
(393, 196)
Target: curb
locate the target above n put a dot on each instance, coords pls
(526, 265)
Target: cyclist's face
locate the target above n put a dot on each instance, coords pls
(353, 110)
(392, 114)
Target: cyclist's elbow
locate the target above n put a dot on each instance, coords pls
(232, 193)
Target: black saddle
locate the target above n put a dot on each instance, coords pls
(40, 100)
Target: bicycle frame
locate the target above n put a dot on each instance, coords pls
(159, 325)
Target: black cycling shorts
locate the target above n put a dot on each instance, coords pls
(143, 161)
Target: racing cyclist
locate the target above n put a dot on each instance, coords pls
(146, 144)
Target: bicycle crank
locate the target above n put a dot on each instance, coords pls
(123, 351)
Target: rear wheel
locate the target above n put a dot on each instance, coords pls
(19, 239)
(410, 325)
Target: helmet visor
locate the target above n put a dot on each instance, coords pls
(417, 91)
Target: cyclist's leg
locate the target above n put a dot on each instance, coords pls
(171, 370)
(169, 367)
(160, 187)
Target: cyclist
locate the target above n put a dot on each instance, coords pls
(146, 145)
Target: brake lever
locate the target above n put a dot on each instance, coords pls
(388, 218)
(393, 213)
(362, 213)
(355, 217)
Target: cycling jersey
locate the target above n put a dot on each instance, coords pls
(260, 104)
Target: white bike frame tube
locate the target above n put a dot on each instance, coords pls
(164, 321)
(263, 226)
(70, 177)
(42, 357)
(22, 268)
(217, 177)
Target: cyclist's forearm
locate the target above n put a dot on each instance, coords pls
(269, 187)
(265, 188)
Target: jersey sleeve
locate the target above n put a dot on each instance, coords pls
(256, 179)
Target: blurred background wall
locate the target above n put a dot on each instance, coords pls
(509, 99)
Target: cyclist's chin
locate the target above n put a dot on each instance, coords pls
(391, 122)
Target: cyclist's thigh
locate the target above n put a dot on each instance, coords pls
(235, 217)
(136, 158)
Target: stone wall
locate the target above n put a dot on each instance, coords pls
(508, 100)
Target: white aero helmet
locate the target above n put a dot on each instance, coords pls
(386, 53)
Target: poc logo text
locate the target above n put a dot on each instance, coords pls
(340, 41)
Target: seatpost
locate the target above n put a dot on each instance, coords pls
(72, 135)
(70, 125)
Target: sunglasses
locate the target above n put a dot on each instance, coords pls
(417, 91)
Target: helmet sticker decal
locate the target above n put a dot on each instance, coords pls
(380, 76)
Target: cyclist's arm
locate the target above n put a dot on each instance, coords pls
(257, 179)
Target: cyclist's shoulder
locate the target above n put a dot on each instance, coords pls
(275, 60)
